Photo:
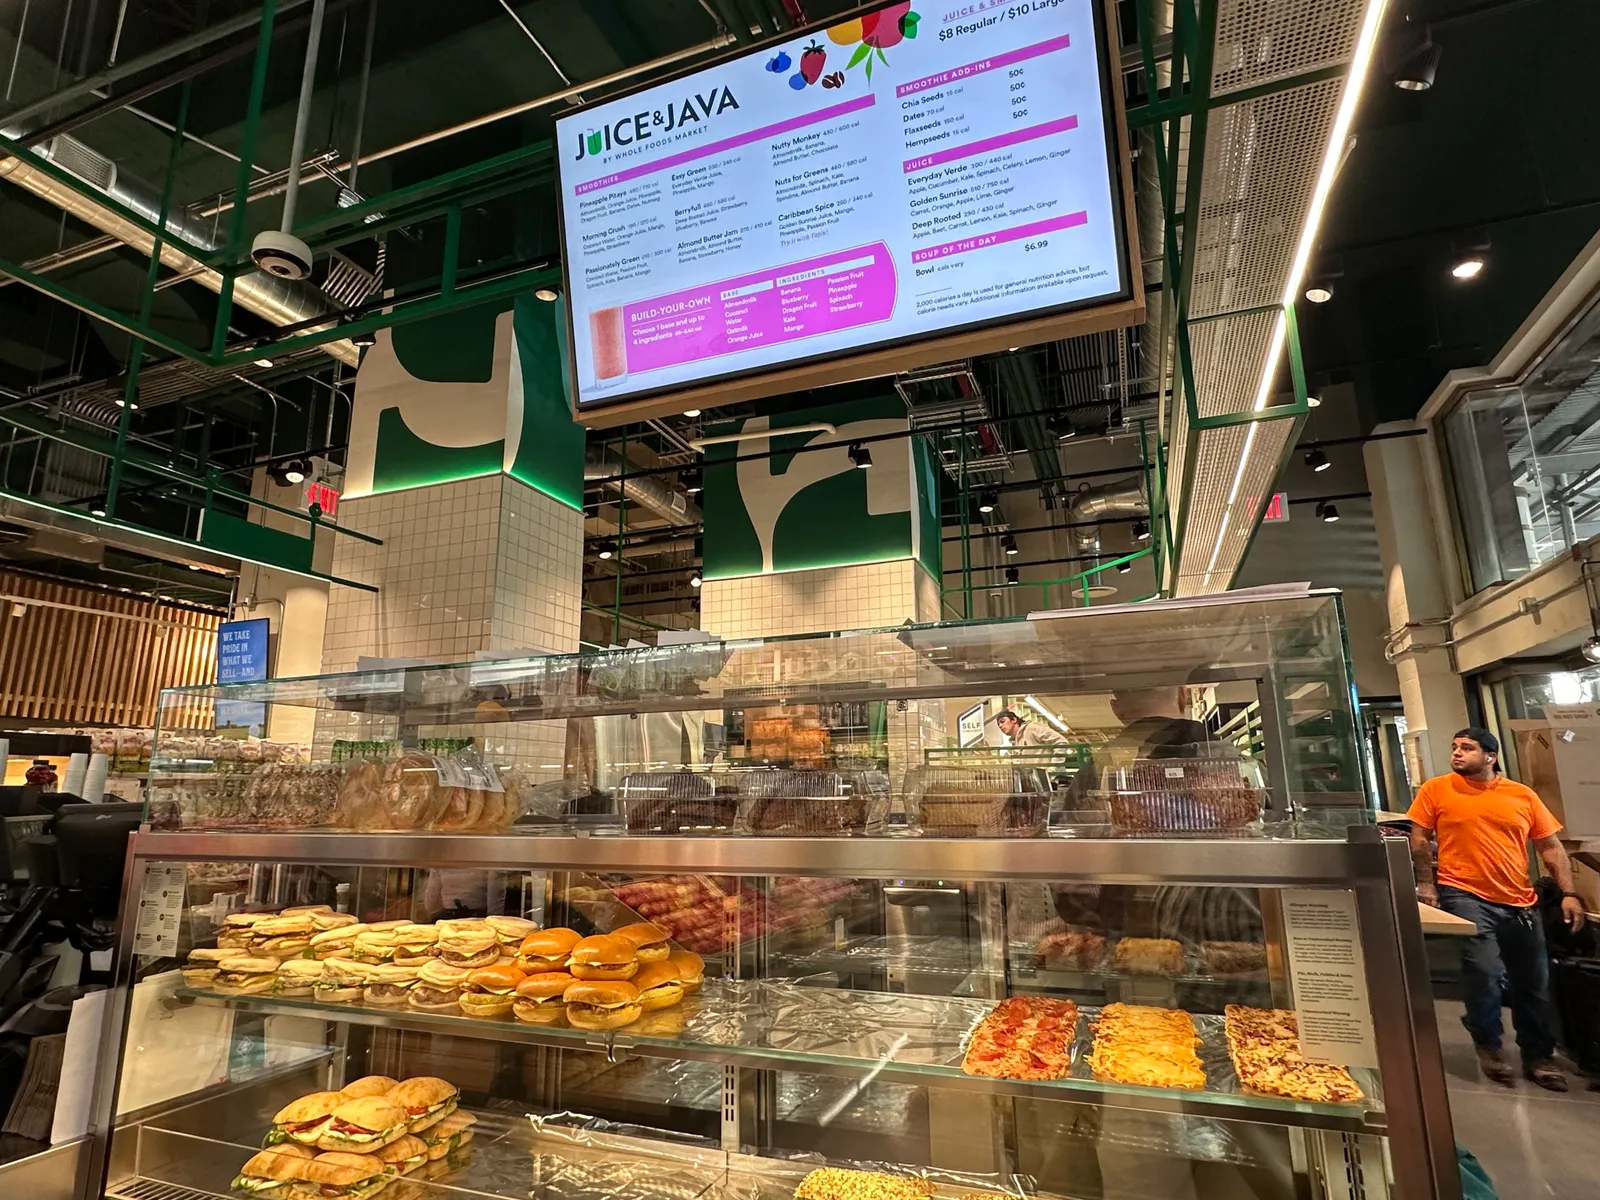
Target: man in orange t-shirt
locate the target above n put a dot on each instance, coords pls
(1484, 823)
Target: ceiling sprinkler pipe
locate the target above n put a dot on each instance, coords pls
(280, 253)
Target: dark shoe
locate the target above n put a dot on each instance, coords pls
(1546, 1074)
(1496, 1067)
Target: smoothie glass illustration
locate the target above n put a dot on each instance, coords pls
(591, 138)
(607, 346)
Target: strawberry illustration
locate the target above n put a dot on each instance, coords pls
(811, 62)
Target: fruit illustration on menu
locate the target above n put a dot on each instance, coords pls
(886, 179)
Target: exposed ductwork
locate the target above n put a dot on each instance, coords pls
(1122, 498)
(279, 301)
(671, 504)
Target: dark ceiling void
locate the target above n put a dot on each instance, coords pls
(1499, 159)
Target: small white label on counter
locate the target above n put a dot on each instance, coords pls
(1330, 984)
(160, 908)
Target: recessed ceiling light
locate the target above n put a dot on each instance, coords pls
(691, 412)
(547, 294)
(1467, 268)
(1319, 293)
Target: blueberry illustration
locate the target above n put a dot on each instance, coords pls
(797, 81)
(779, 63)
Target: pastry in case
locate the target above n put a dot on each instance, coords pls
(802, 803)
(674, 802)
(1069, 950)
(1181, 795)
(978, 801)
(1233, 958)
(1148, 956)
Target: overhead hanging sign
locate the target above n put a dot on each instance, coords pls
(893, 179)
(242, 658)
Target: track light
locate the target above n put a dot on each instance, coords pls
(1327, 512)
(365, 338)
(1317, 460)
(1008, 544)
(1124, 567)
(287, 474)
(860, 455)
(695, 580)
(1313, 401)
(605, 550)
(547, 294)
(1141, 531)
(1060, 426)
(1590, 648)
(1013, 575)
(1412, 57)
(987, 502)
(1467, 268)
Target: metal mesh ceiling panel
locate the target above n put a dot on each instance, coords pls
(1228, 355)
(1261, 41)
(1217, 454)
(1260, 172)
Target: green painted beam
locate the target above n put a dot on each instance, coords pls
(1169, 109)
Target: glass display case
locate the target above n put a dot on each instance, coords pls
(744, 920)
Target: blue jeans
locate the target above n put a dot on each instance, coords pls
(1504, 961)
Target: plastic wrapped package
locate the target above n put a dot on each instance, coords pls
(989, 800)
(361, 796)
(1182, 795)
(805, 803)
(675, 802)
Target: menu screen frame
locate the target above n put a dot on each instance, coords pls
(1118, 307)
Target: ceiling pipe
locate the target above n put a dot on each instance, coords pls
(649, 492)
(1120, 498)
(278, 301)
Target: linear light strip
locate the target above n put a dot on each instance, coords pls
(1333, 156)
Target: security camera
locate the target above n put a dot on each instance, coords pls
(281, 254)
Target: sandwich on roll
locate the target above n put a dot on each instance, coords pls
(449, 1135)
(490, 991)
(658, 986)
(325, 921)
(245, 975)
(438, 988)
(204, 963)
(343, 981)
(602, 1004)
(365, 1125)
(547, 950)
(470, 948)
(690, 967)
(405, 1155)
(649, 941)
(342, 1175)
(414, 945)
(511, 931)
(307, 910)
(427, 1100)
(270, 1173)
(389, 985)
(235, 931)
(297, 977)
(603, 957)
(336, 942)
(373, 946)
(282, 937)
(303, 1121)
(539, 998)
(368, 1085)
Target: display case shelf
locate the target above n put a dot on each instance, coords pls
(890, 1036)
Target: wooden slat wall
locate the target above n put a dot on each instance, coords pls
(104, 667)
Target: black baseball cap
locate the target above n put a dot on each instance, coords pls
(1487, 742)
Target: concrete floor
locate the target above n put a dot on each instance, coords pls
(1534, 1143)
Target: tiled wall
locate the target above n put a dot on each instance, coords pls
(477, 564)
(856, 597)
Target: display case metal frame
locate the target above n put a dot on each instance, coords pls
(1416, 1117)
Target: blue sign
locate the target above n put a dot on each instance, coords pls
(242, 658)
(242, 651)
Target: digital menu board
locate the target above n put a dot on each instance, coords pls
(920, 169)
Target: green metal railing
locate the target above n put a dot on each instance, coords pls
(1078, 585)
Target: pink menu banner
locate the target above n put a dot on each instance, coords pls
(832, 292)
(998, 142)
(984, 64)
(1015, 233)
(776, 129)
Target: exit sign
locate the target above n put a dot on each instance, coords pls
(324, 496)
(1277, 508)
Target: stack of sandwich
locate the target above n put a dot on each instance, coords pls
(251, 947)
(480, 966)
(351, 1144)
